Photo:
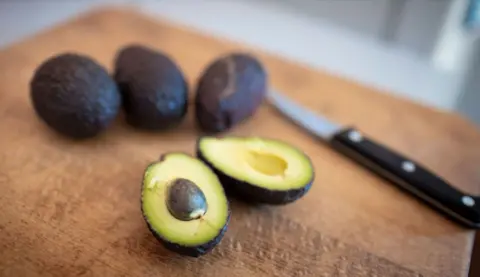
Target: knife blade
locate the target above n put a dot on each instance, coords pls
(407, 174)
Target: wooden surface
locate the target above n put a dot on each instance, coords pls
(475, 262)
(72, 208)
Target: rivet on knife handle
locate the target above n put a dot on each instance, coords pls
(409, 175)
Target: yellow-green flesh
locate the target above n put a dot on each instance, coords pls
(188, 233)
(266, 163)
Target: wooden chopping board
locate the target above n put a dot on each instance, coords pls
(72, 208)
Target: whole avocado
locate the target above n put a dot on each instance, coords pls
(74, 95)
(230, 90)
(153, 87)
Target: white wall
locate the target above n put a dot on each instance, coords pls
(22, 18)
(415, 24)
(421, 23)
(366, 17)
(469, 101)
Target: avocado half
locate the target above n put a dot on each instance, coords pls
(184, 204)
(256, 169)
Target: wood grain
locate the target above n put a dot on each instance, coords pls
(72, 208)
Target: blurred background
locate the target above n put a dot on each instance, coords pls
(423, 50)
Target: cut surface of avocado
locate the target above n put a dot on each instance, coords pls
(203, 229)
(265, 163)
(260, 169)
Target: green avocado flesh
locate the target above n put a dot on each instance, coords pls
(195, 235)
(265, 170)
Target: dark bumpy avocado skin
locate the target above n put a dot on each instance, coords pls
(250, 193)
(74, 95)
(192, 251)
(154, 90)
(229, 91)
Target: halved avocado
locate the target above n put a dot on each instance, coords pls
(258, 169)
(184, 204)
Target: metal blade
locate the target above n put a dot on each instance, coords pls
(310, 121)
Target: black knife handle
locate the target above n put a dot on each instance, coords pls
(409, 175)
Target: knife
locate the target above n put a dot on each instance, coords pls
(404, 172)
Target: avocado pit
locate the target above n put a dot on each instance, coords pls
(185, 200)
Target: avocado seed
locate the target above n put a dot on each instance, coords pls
(185, 200)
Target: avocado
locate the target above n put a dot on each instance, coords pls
(259, 170)
(229, 91)
(154, 89)
(74, 95)
(184, 204)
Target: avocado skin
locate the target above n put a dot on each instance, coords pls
(253, 194)
(74, 95)
(191, 251)
(230, 90)
(154, 89)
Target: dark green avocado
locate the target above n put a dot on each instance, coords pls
(184, 204)
(230, 90)
(154, 89)
(259, 170)
(74, 95)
